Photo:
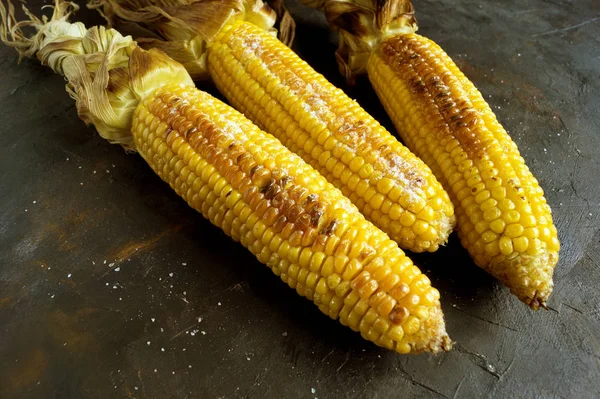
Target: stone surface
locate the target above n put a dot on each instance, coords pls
(111, 286)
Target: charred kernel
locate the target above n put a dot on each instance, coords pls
(398, 314)
(368, 289)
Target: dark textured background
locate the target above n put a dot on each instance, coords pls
(71, 205)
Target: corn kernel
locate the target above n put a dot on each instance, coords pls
(514, 230)
(520, 244)
(403, 348)
(506, 246)
(396, 333)
(492, 249)
(489, 236)
(365, 171)
(511, 216)
(497, 226)
(411, 325)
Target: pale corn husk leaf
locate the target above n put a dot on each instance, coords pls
(107, 73)
(11, 30)
(190, 53)
(185, 26)
(362, 25)
(152, 69)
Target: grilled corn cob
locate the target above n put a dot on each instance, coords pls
(243, 180)
(503, 218)
(272, 86)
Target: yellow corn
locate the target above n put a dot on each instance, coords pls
(247, 183)
(273, 87)
(503, 218)
(240, 178)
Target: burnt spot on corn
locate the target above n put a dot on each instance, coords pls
(267, 187)
(330, 228)
(398, 314)
(285, 180)
(365, 254)
(271, 190)
(315, 216)
(254, 169)
(412, 61)
(189, 132)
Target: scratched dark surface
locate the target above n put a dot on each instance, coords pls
(110, 286)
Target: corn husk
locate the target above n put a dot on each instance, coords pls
(182, 28)
(362, 25)
(107, 73)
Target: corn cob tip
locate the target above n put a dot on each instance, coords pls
(440, 342)
(538, 300)
(432, 337)
(528, 277)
